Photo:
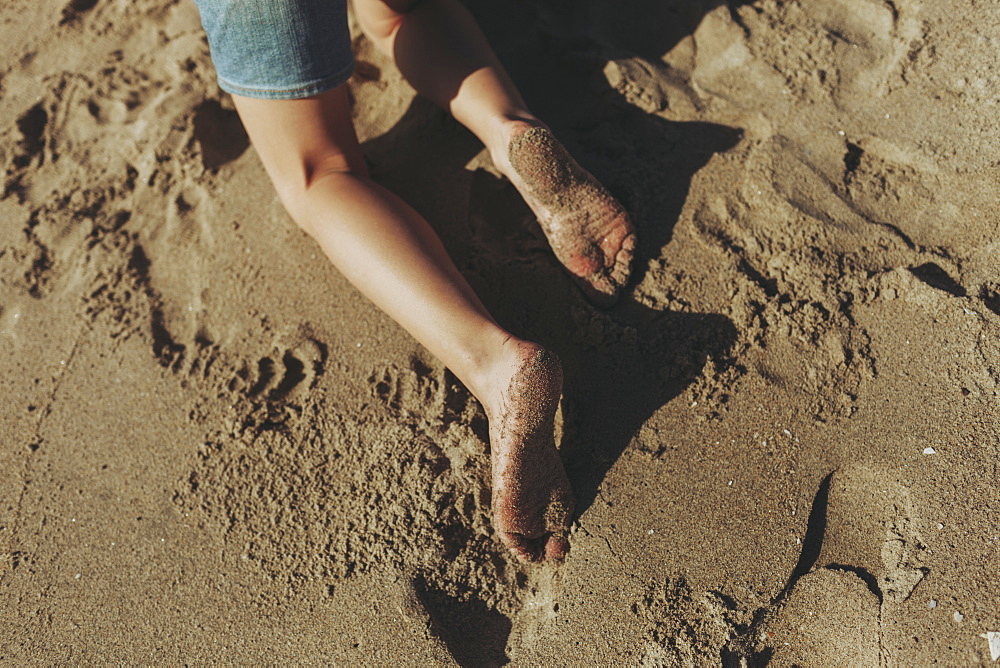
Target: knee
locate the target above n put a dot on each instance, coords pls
(337, 164)
(380, 18)
(296, 173)
(300, 184)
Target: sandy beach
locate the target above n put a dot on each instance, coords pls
(784, 441)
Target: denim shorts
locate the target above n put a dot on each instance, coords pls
(278, 49)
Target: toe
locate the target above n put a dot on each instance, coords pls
(603, 287)
(621, 268)
(556, 548)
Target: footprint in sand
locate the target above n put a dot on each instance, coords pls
(429, 393)
(871, 529)
(870, 556)
(873, 42)
(535, 622)
(286, 374)
(830, 619)
(683, 627)
(410, 391)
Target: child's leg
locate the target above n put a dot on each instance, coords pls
(391, 254)
(442, 53)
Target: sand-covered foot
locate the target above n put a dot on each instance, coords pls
(589, 231)
(532, 499)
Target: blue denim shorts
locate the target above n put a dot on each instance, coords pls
(278, 49)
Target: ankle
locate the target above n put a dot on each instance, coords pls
(506, 129)
(490, 380)
(479, 370)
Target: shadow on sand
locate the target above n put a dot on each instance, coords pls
(621, 365)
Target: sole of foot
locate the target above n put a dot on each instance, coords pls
(532, 500)
(588, 229)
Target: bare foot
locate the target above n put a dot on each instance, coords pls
(589, 231)
(532, 499)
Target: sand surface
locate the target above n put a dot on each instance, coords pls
(784, 441)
